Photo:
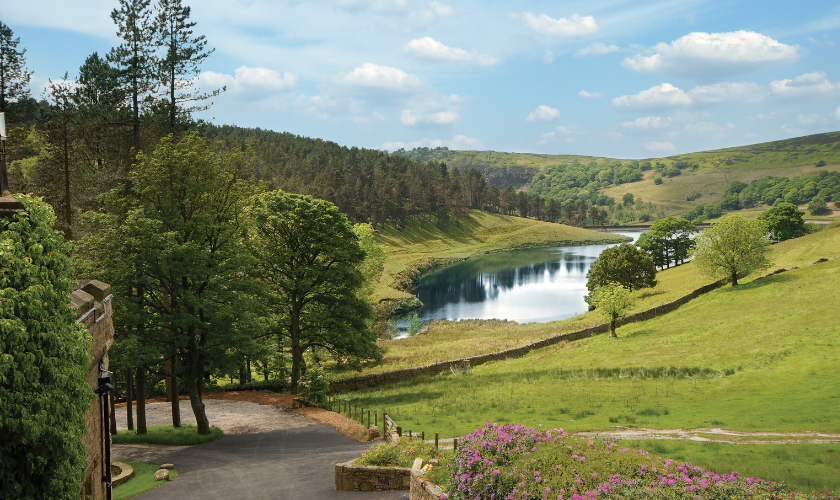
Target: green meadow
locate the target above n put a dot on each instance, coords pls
(763, 356)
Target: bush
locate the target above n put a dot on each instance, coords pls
(818, 206)
(657, 181)
(314, 385)
(401, 454)
(44, 356)
(693, 196)
(514, 461)
(811, 227)
(821, 163)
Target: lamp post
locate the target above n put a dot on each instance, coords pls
(8, 204)
(104, 388)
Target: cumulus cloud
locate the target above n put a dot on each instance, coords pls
(809, 85)
(657, 146)
(648, 123)
(383, 6)
(597, 49)
(543, 113)
(410, 118)
(709, 56)
(376, 77)
(728, 92)
(572, 26)
(659, 97)
(249, 83)
(590, 95)
(442, 10)
(457, 142)
(429, 48)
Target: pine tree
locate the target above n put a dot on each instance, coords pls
(14, 78)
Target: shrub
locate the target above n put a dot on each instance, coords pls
(314, 385)
(517, 462)
(657, 181)
(817, 206)
(401, 454)
(44, 355)
(811, 227)
(821, 163)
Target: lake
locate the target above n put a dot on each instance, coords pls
(526, 286)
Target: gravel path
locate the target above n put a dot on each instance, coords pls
(233, 417)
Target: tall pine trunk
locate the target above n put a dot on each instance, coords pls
(195, 372)
(129, 396)
(141, 400)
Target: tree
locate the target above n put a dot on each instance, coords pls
(184, 55)
(14, 78)
(308, 257)
(178, 235)
(668, 240)
(44, 356)
(624, 264)
(612, 300)
(783, 221)
(733, 246)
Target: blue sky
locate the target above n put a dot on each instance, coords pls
(625, 79)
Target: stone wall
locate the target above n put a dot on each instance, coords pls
(374, 379)
(352, 477)
(421, 488)
(92, 302)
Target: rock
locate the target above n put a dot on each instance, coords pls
(162, 475)
(373, 432)
(434, 461)
(167, 466)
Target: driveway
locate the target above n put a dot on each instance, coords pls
(295, 463)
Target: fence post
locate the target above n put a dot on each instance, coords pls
(454, 445)
(423, 436)
(368, 419)
(436, 440)
(355, 411)
(399, 431)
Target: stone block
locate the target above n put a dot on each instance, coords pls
(98, 289)
(81, 301)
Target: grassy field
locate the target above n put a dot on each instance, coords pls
(761, 356)
(142, 481)
(447, 340)
(477, 233)
(805, 467)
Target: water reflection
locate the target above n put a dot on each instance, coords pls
(535, 285)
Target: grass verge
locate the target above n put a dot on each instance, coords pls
(166, 434)
(142, 481)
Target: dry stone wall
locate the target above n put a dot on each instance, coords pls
(352, 477)
(374, 379)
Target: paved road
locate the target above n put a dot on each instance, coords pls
(279, 465)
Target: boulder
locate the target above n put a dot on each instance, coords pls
(373, 432)
(167, 466)
(162, 475)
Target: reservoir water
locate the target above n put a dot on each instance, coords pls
(526, 286)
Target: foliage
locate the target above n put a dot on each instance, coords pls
(400, 454)
(812, 227)
(818, 206)
(307, 257)
(314, 386)
(783, 221)
(415, 324)
(44, 356)
(612, 300)
(142, 481)
(15, 81)
(625, 264)
(185, 435)
(517, 462)
(733, 247)
(702, 213)
(797, 190)
(668, 241)
(375, 257)
(574, 182)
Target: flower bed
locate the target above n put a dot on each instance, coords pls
(400, 454)
(514, 462)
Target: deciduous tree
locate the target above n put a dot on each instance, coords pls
(308, 257)
(612, 301)
(624, 264)
(784, 221)
(733, 246)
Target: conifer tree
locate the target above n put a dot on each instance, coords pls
(14, 78)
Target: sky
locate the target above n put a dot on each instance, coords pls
(615, 78)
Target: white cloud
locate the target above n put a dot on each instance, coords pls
(648, 123)
(708, 56)
(597, 49)
(543, 114)
(442, 10)
(379, 6)
(659, 97)
(251, 82)
(764, 116)
(657, 146)
(814, 84)
(572, 26)
(457, 142)
(728, 92)
(410, 118)
(428, 48)
(812, 119)
(374, 76)
(590, 95)
(548, 57)
(837, 113)
(562, 133)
